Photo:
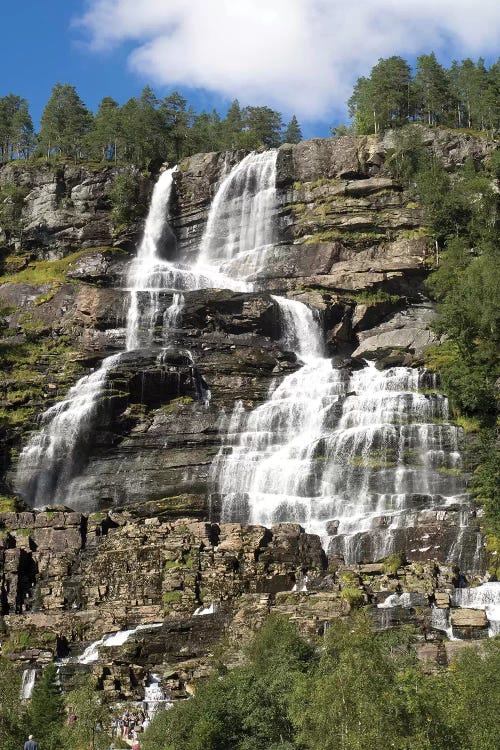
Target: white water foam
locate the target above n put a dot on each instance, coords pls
(91, 653)
(27, 684)
(54, 455)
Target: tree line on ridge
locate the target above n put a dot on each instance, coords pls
(146, 129)
(465, 95)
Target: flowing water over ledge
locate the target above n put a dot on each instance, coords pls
(361, 458)
(356, 458)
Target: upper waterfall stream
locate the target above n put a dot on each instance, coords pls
(359, 458)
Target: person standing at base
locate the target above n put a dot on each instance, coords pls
(30, 744)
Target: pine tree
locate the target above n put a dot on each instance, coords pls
(205, 133)
(105, 137)
(93, 716)
(265, 125)
(16, 128)
(65, 122)
(12, 711)
(293, 133)
(432, 89)
(362, 108)
(47, 709)
(176, 121)
(143, 130)
(232, 126)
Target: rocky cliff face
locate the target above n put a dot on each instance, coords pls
(352, 245)
(66, 579)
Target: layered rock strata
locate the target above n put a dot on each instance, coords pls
(67, 578)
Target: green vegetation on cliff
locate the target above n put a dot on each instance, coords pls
(462, 211)
(46, 711)
(12, 711)
(144, 131)
(360, 690)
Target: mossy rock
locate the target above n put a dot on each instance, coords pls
(354, 597)
(392, 563)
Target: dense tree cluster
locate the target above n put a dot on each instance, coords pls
(360, 690)
(16, 128)
(46, 714)
(466, 95)
(144, 130)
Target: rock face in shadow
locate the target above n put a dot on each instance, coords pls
(66, 207)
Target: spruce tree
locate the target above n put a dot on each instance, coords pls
(232, 126)
(105, 136)
(432, 89)
(12, 710)
(265, 125)
(16, 128)
(47, 710)
(176, 121)
(293, 133)
(65, 121)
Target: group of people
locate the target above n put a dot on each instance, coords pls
(129, 725)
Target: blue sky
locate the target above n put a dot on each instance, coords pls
(294, 55)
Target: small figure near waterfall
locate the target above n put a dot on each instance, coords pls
(31, 744)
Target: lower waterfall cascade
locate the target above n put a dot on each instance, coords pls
(358, 457)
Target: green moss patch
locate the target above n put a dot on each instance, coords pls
(49, 271)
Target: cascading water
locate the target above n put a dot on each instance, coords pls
(55, 454)
(240, 227)
(486, 597)
(49, 464)
(27, 684)
(357, 458)
(154, 696)
(149, 274)
(91, 653)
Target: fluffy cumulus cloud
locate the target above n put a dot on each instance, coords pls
(297, 55)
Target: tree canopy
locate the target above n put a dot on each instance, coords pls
(467, 95)
(360, 690)
(144, 131)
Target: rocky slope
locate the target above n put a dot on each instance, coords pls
(66, 579)
(353, 245)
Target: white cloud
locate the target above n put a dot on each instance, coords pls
(299, 56)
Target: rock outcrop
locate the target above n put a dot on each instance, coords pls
(67, 578)
(66, 207)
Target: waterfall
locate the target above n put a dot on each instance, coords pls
(485, 597)
(149, 274)
(27, 684)
(240, 220)
(202, 611)
(240, 227)
(356, 458)
(154, 696)
(91, 653)
(301, 329)
(56, 453)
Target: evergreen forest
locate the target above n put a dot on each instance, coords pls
(148, 129)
